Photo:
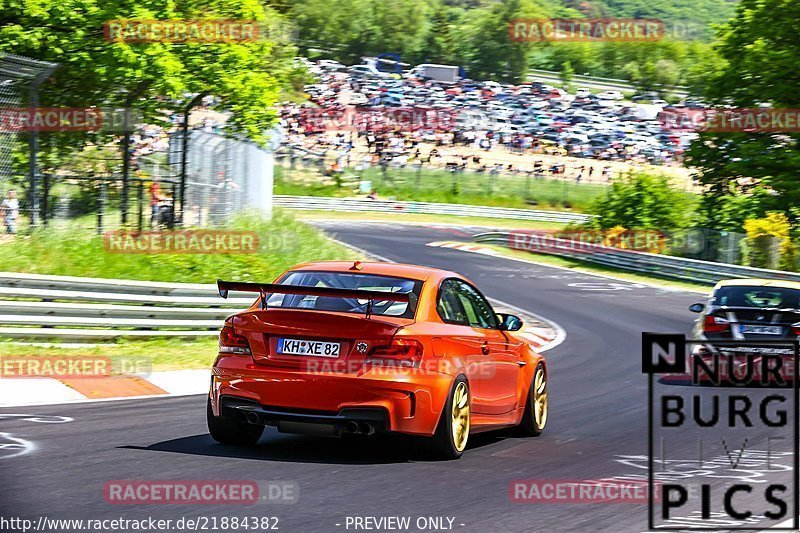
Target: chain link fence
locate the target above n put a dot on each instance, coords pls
(300, 171)
(20, 78)
(224, 176)
(219, 175)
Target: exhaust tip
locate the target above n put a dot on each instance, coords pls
(253, 418)
(351, 427)
(366, 428)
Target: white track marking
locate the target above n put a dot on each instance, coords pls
(595, 274)
(43, 419)
(15, 444)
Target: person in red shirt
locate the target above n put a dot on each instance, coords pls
(155, 199)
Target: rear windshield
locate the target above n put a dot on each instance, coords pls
(346, 280)
(746, 296)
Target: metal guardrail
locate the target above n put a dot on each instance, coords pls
(87, 295)
(362, 205)
(52, 318)
(551, 76)
(67, 308)
(683, 269)
(60, 309)
(39, 281)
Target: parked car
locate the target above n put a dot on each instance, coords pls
(611, 95)
(366, 71)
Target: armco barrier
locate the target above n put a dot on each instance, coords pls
(67, 308)
(362, 205)
(555, 78)
(706, 272)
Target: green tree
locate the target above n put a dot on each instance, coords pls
(485, 44)
(440, 43)
(642, 201)
(350, 29)
(758, 51)
(667, 72)
(150, 77)
(567, 75)
(632, 71)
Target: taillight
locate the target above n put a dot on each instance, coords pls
(230, 342)
(796, 329)
(400, 352)
(715, 324)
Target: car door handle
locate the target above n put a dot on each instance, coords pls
(485, 348)
(522, 363)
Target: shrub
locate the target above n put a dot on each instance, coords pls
(769, 242)
(642, 201)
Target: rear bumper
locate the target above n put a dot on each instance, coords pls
(406, 401)
(364, 421)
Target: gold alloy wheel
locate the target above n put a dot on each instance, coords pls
(540, 398)
(460, 422)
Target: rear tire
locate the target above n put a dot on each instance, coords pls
(230, 431)
(452, 432)
(535, 417)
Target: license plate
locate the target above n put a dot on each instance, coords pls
(306, 347)
(762, 330)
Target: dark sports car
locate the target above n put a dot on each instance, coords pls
(749, 318)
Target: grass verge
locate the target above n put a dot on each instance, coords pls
(76, 250)
(143, 354)
(442, 186)
(399, 218)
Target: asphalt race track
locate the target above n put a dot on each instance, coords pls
(597, 426)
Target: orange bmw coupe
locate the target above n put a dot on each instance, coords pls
(336, 348)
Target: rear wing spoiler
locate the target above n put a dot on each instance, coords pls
(263, 289)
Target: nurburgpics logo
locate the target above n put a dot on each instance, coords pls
(735, 437)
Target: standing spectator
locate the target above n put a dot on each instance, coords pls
(10, 209)
(155, 200)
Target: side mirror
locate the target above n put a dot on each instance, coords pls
(509, 322)
(697, 308)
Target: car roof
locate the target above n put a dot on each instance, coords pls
(415, 272)
(759, 282)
